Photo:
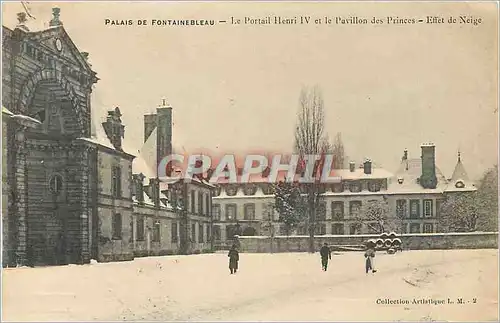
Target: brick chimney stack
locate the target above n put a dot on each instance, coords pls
(367, 166)
(428, 178)
(352, 166)
(162, 122)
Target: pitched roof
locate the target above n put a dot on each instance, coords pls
(406, 179)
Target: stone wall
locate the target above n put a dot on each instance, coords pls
(421, 241)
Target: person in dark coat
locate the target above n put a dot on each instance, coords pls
(234, 257)
(369, 257)
(326, 254)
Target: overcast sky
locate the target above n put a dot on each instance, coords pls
(386, 88)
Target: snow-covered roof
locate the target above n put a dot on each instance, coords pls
(405, 181)
(358, 174)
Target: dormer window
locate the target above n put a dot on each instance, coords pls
(374, 186)
(354, 187)
(231, 190)
(400, 180)
(459, 184)
(250, 189)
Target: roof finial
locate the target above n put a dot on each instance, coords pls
(55, 20)
(21, 18)
(459, 156)
(164, 101)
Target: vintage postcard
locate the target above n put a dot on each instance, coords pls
(250, 161)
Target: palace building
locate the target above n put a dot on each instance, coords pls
(413, 194)
(72, 189)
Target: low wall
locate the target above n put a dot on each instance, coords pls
(419, 241)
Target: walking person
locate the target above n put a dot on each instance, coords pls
(326, 254)
(234, 257)
(369, 258)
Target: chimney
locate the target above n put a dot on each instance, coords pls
(428, 178)
(352, 166)
(114, 128)
(164, 132)
(139, 187)
(367, 166)
(55, 20)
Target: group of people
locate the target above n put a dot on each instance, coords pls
(325, 253)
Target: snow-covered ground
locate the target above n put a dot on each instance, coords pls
(268, 287)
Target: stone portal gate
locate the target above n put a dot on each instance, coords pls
(49, 200)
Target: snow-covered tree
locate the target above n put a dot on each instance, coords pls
(487, 201)
(289, 204)
(459, 212)
(375, 215)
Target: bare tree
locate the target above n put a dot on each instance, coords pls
(310, 139)
(338, 152)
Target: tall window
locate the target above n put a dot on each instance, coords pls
(116, 226)
(321, 211)
(320, 229)
(216, 233)
(354, 208)
(140, 228)
(200, 233)
(116, 181)
(193, 232)
(207, 204)
(428, 228)
(337, 228)
(414, 209)
(338, 210)
(230, 212)
(193, 202)
(156, 231)
(208, 232)
(173, 233)
(200, 203)
(401, 208)
(216, 211)
(428, 208)
(249, 211)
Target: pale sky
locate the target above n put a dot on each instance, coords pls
(235, 88)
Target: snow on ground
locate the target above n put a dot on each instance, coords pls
(270, 287)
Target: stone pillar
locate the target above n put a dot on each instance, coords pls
(85, 210)
(18, 195)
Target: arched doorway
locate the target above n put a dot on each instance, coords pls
(55, 178)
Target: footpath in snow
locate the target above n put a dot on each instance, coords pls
(272, 287)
